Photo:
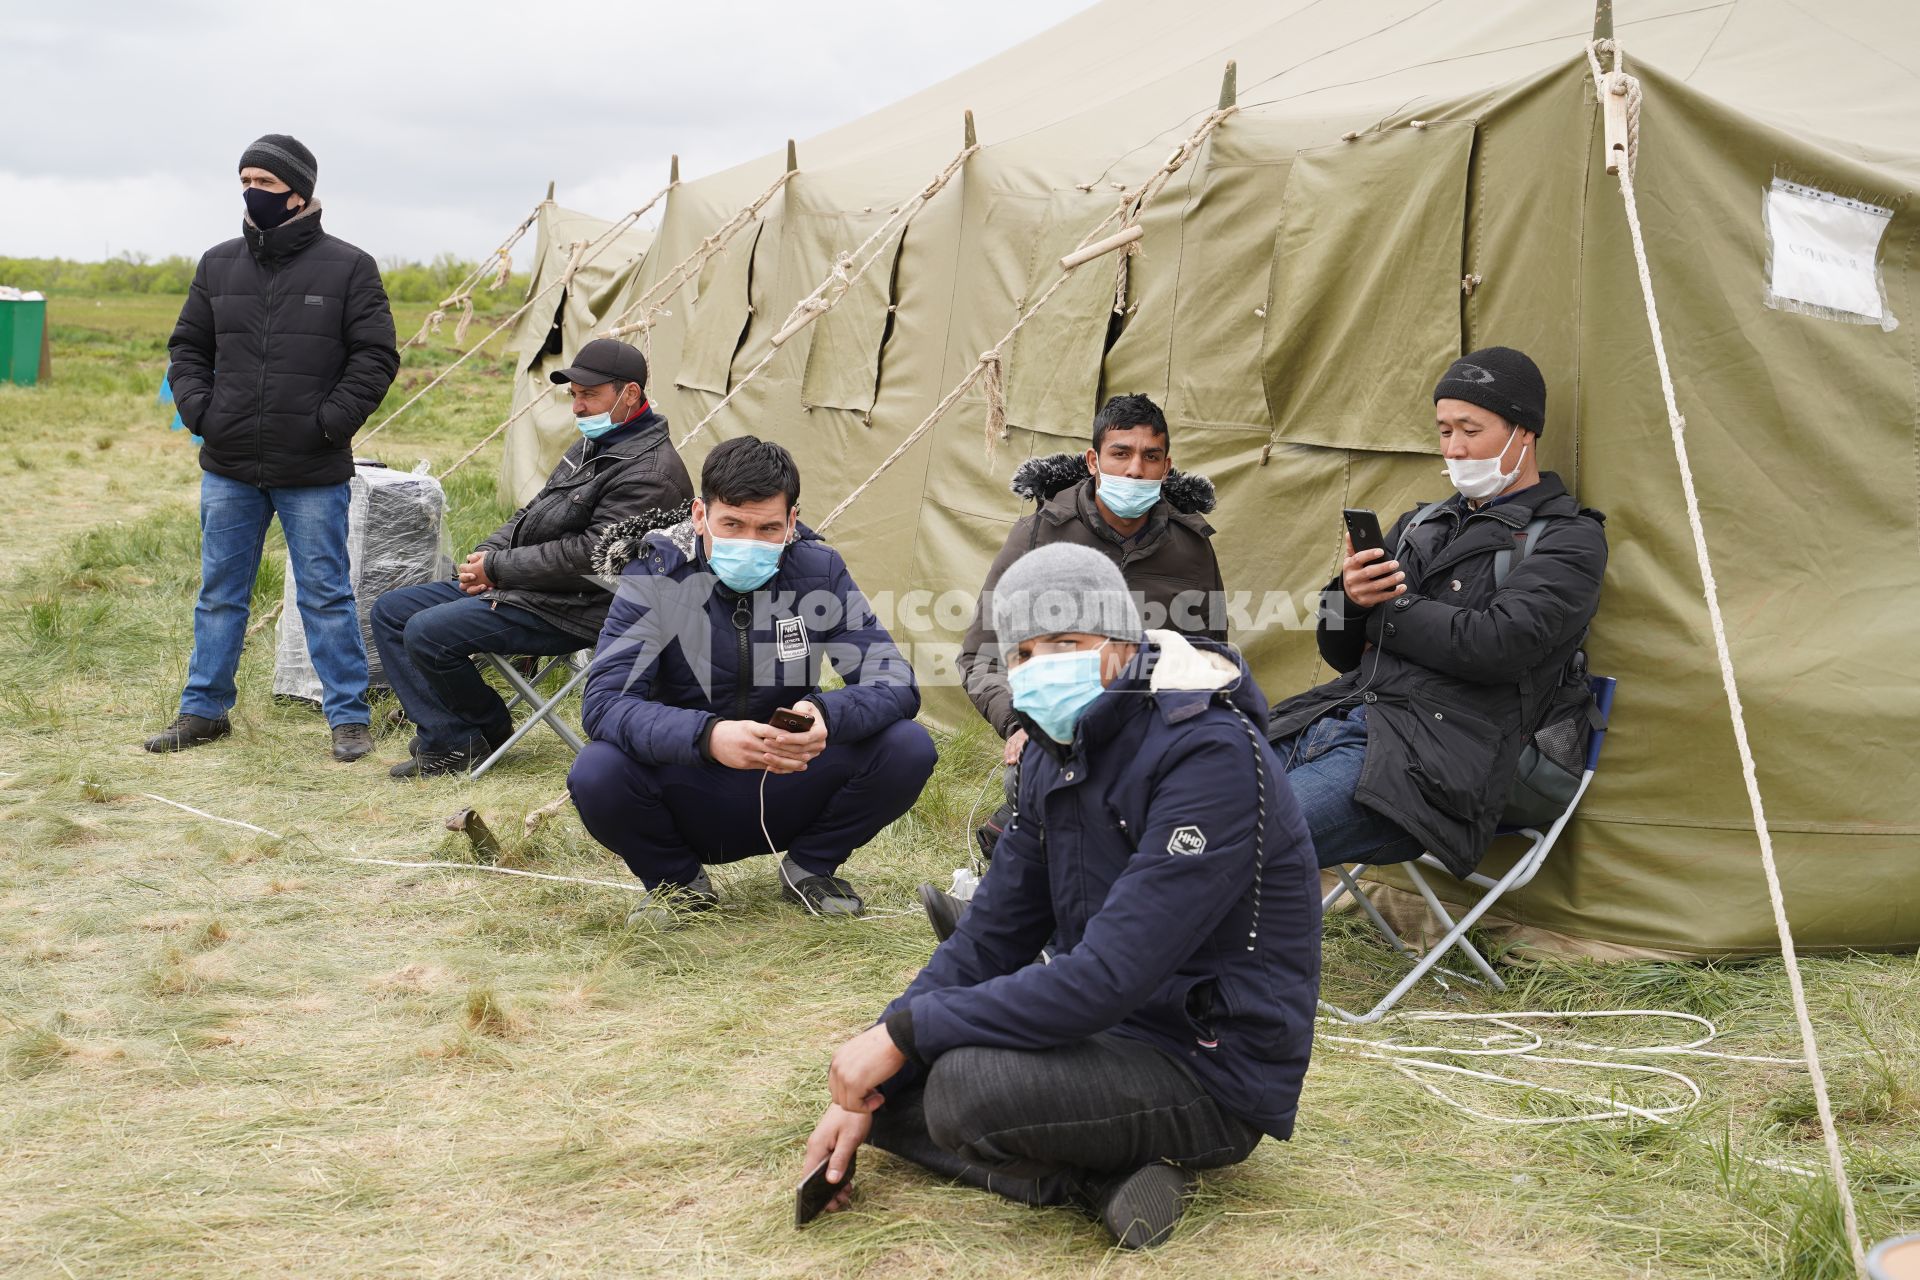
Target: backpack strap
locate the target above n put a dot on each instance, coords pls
(1420, 517)
(1503, 559)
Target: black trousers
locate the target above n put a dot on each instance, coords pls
(1046, 1126)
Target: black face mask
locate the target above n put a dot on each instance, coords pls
(268, 209)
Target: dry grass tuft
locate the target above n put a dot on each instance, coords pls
(486, 1013)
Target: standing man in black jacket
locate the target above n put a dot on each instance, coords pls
(1449, 661)
(284, 349)
(528, 588)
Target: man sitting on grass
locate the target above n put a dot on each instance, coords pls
(718, 626)
(526, 589)
(1158, 852)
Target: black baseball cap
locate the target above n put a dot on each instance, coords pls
(604, 360)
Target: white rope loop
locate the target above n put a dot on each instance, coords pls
(1677, 428)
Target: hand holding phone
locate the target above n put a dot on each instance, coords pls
(815, 1193)
(790, 721)
(1366, 575)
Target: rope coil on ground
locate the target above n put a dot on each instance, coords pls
(1677, 427)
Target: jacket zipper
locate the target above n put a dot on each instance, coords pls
(742, 621)
(260, 412)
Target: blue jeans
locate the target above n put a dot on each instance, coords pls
(233, 534)
(1323, 766)
(427, 634)
(668, 820)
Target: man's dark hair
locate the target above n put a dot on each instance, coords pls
(1123, 412)
(746, 469)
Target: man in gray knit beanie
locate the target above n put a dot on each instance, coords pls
(1062, 589)
(1160, 860)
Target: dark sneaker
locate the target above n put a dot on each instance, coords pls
(1141, 1209)
(351, 741)
(188, 731)
(820, 895)
(434, 764)
(495, 738)
(943, 910)
(667, 906)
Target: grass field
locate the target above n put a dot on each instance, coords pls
(229, 1054)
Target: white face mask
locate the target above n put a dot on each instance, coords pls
(1478, 479)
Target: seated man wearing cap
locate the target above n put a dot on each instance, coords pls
(1158, 852)
(1450, 651)
(527, 589)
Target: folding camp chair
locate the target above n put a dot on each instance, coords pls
(545, 710)
(1455, 932)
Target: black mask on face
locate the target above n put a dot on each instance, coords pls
(268, 209)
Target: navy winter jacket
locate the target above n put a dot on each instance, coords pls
(680, 651)
(1162, 856)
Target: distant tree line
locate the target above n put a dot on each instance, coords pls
(137, 273)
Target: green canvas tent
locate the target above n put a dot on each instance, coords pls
(1406, 180)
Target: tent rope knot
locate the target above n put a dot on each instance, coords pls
(1625, 135)
(992, 386)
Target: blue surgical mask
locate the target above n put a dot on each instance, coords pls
(594, 425)
(1053, 689)
(1127, 497)
(745, 564)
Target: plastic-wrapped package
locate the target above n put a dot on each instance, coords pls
(396, 537)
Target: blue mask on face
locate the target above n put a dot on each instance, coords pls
(595, 425)
(1126, 497)
(1054, 689)
(745, 564)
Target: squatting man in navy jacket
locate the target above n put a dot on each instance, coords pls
(718, 623)
(1158, 853)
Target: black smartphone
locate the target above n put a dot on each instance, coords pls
(790, 721)
(814, 1191)
(1363, 528)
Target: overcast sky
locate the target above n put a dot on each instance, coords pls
(436, 124)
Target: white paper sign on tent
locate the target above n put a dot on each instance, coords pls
(1822, 250)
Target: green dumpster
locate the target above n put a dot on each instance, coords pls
(23, 337)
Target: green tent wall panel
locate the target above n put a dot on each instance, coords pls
(1803, 430)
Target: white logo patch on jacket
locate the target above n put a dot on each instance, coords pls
(790, 637)
(1187, 840)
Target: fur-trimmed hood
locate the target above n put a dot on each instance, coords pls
(1042, 478)
(622, 541)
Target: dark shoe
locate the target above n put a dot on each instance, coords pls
(943, 910)
(820, 895)
(1142, 1208)
(351, 741)
(495, 739)
(188, 731)
(434, 764)
(667, 906)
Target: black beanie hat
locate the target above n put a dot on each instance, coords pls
(284, 158)
(1499, 379)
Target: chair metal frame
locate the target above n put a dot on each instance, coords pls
(544, 710)
(1455, 931)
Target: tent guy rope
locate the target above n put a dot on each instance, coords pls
(583, 252)
(840, 280)
(993, 358)
(1620, 95)
(499, 262)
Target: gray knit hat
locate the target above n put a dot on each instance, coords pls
(286, 159)
(1063, 587)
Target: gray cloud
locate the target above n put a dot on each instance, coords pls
(437, 124)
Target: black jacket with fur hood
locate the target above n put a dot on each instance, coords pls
(1169, 564)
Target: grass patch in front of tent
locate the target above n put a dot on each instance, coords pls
(226, 1054)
